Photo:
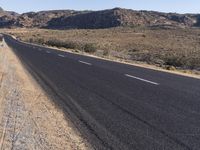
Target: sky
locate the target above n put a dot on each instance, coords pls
(179, 6)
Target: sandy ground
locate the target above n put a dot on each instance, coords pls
(28, 118)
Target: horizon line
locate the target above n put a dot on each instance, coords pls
(41, 10)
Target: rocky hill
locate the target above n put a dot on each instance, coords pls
(7, 18)
(63, 19)
(124, 17)
(41, 19)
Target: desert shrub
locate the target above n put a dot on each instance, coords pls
(193, 63)
(31, 40)
(40, 41)
(53, 42)
(71, 45)
(106, 52)
(89, 48)
(143, 35)
(175, 61)
(65, 44)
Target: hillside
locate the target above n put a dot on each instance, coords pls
(124, 17)
(7, 18)
(41, 19)
(63, 19)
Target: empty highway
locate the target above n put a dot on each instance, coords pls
(118, 106)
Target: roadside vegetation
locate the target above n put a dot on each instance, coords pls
(167, 48)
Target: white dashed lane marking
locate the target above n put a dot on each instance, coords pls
(83, 62)
(144, 80)
(61, 55)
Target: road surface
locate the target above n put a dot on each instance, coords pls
(119, 106)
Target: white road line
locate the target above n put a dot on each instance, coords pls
(61, 55)
(48, 52)
(141, 79)
(85, 62)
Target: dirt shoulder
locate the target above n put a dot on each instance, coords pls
(28, 118)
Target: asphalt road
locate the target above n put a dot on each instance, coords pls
(120, 106)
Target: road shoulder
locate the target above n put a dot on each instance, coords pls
(28, 117)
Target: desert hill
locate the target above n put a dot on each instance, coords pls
(63, 19)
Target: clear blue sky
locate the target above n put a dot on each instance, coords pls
(180, 6)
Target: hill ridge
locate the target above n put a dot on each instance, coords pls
(64, 19)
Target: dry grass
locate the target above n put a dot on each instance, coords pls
(168, 48)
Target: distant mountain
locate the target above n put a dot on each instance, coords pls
(64, 19)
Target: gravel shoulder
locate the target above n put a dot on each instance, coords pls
(28, 118)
